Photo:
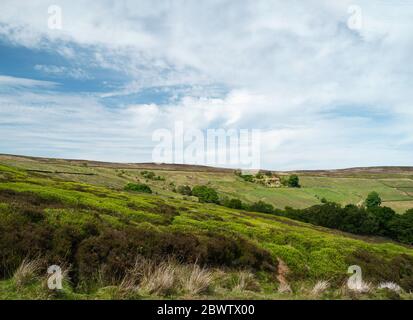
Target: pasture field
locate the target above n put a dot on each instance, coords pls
(395, 188)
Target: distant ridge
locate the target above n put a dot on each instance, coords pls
(202, 168)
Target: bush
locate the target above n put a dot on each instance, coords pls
(235, 204)
(113, 252)
(138, 187)
(151, 176)
(247, 177)
(261, 206)
(185, 190)
(148, 174)
(205, 194)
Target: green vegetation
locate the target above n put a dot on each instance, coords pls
(111, 242)
(373, 200)
(138, 187)
(293, 181)
(233, 203)
(151, 175)
(185, 190)
(205, 194)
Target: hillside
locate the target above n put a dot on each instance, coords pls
(77, 214)
(394, 184)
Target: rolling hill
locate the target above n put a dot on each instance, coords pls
(77, 214)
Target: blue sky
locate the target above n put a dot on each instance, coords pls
(324, 94)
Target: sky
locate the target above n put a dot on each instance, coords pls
(327, 83)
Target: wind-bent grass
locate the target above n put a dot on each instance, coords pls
(28, 272)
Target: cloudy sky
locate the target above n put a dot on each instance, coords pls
(328, 83)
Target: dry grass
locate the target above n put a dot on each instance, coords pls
(362, 287)
(196, 280)
(283, 271)
(160, 279)
(319, 288)
(245, 280)
(27, 272)
(165, 278)
(390, 286)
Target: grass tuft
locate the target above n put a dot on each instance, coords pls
(27, 272)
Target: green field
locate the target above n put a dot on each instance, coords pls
(75, 196)
(396, 193)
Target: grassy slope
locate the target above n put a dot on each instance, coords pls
(310, 252)
(396, 189)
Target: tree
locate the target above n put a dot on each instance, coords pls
(294, 181)
(205, 194)
(373, 200)
(384, 217)
(402, 227)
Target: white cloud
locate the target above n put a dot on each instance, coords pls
(75, 73)
(324, 95)
(7, 81)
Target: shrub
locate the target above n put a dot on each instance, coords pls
(237, 252)
(138, 187)
(185, 190)
(20, 240)
(151, 176)
(247, 177)
(235, 204)
(261, 206)
(148, 174)
(205, 194)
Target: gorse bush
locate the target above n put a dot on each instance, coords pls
(138, 187)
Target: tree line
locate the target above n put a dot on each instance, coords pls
(369, 219)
